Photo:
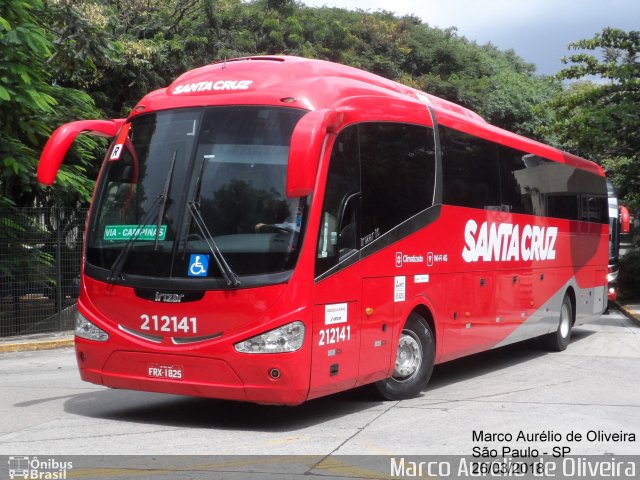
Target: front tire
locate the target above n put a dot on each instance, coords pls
(414, 361)
(559, 340)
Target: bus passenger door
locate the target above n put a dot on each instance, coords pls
(334, 362)
(376, 331)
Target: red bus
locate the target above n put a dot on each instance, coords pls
(276, 229)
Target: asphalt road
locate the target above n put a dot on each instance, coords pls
(592, 389)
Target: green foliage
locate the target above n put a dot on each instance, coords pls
(130, 48)
(82, 48)
(629, 276)
(14, 228)
(25, 96)
(619, 57)
(599, 119)
(504, 89)
(30, 104)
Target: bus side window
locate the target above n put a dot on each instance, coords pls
(348, 226)
(338, 225)
(590, 209)
(398, 175)
(470, 171)
(121, 202)
(516, 183)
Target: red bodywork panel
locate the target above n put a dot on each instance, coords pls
(210, 364)
(478, 296)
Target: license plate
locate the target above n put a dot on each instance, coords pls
(170, 372)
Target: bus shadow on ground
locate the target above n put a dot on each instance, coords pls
(492, 361)
(193, 412)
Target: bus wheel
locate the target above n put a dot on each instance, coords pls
(414, 361)
(559, 340)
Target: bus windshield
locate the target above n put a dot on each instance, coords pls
(198, 193)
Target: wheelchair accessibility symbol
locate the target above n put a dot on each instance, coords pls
(198, 265)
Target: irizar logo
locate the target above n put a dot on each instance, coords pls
(169, 297)
(495, 242)
(220, 85)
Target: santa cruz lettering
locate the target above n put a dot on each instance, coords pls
(216, 86)
(495, 242)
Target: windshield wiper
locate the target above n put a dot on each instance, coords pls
(194, 209)
(116, 268)
(228, 274)
(196, 197)
(160, 200)
(163, 198)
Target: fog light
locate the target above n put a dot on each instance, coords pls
(86, 329)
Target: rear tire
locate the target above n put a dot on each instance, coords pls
(559, 340)
(414, 361)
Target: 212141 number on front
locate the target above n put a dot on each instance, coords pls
(169, 324)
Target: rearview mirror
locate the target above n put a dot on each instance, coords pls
(60, 142)
(307, 142)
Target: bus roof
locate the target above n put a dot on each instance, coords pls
(318, 84)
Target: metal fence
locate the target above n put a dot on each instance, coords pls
(40, 256)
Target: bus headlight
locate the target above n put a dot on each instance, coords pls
(287, 338)
(86, 329)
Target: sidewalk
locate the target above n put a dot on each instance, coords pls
(42, 341)
(630, 310)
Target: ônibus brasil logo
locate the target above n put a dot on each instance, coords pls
(34, 468)
(494, 242)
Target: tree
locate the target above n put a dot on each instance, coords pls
(25, 97)
(29, 105)
(599, 118)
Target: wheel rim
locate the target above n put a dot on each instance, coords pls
(409, 357)
(565, 320)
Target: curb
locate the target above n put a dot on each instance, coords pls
(28, 346)
(629, 313)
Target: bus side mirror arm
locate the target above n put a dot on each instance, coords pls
(60, 141)
(307, 143)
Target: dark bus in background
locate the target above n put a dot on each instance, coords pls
(614, 242)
